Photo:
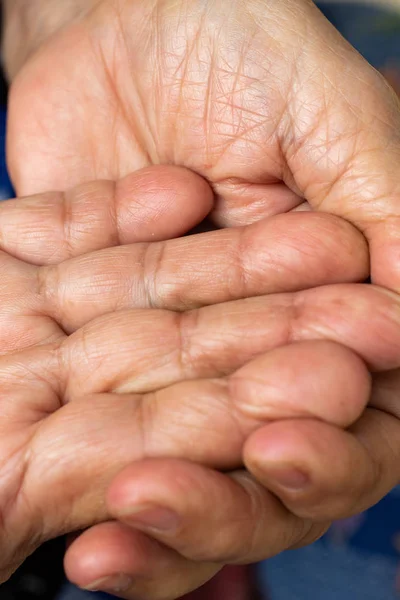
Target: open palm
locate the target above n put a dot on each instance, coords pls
(267, 102)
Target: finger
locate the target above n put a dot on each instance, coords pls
(155, 203)
(285, 253)
(83, 444)
(317, 378)
(138, 351)
(151, 204)
(113, 558)
(205, 515)
(324, 473)
(310, 371)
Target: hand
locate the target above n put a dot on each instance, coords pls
(318, 471)
(252, 96)
(84, 463)
(63, 425)
(363, 141)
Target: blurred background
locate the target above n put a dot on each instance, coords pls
(358, 559)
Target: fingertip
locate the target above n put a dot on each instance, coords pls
(354, 246)
(151, 482)
(318, 471)
(316, 379)
(113, 558)
(281, 457)
(129, 485)
(161, 202)
(108, 549)
(275, 443)
(122, 489)
(340, 240)
(385, 253)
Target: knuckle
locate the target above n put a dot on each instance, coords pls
(153, 259)
(48, 290)
(186, 325)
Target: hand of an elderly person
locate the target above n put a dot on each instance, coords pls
(273, 108)
(264, 99)
(89, 383)
(171, 387)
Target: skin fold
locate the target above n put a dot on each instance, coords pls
(271, 106)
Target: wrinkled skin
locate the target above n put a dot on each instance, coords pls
(268, 103)
(141, 387)
(264, 99)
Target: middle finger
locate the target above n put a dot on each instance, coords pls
(284, 253)
(140, 351)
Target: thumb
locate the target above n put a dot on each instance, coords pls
(334, 140)
(344, 154)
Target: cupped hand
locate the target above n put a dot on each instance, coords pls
(314, 467)
(266, 101)
(260, 103)
(147, 384)
(78, 409)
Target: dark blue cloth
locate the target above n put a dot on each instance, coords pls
(6, 190)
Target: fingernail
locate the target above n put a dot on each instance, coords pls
(113, 584)
(156, 518)
(289, 478)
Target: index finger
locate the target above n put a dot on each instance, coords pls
(285, 253)
(155, 203)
